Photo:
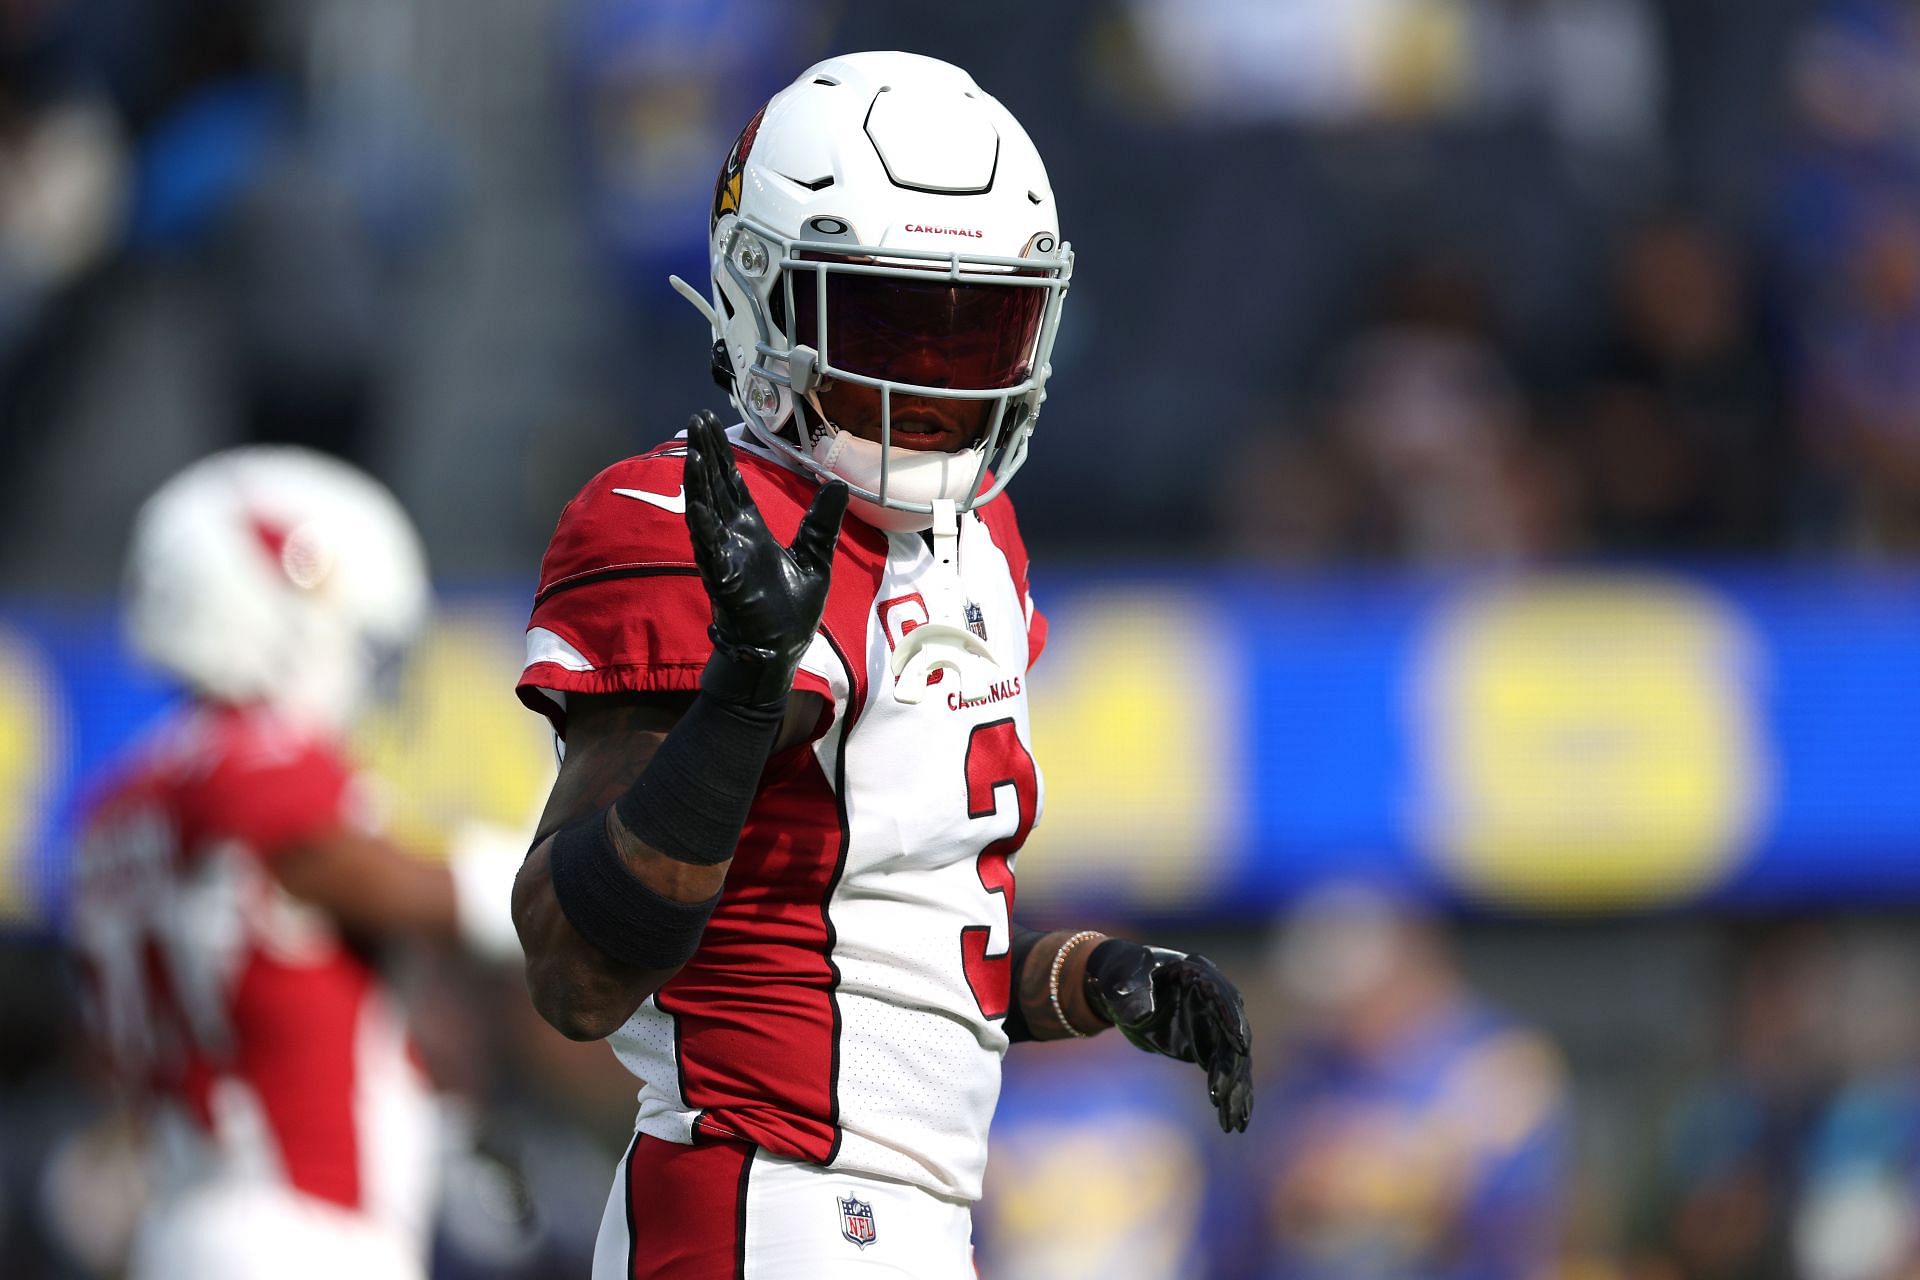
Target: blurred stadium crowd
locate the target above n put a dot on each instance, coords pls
(1402, 282)
(1424, 279)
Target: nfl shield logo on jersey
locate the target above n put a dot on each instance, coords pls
(856, 1220)
(976, 620)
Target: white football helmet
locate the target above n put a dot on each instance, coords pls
(275, 574)
(880, 208)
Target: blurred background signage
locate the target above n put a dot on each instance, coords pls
(1557, 742)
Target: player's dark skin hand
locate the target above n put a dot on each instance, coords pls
(766, 598)
(1182, 1006)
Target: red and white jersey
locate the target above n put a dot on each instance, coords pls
(846, 1004)
(263, 1048)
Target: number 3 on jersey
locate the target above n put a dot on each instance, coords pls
(996, 758)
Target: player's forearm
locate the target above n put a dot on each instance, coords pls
(368, 886)
(583, 992)
(599, 943)
(1049, 985)
(372, 887)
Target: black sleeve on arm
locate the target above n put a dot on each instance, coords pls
(689, 804)
(692, 799)
(1023, 943)
(609, 906)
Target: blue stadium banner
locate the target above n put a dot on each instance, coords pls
(1215, 741)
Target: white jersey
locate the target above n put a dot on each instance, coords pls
(846, 1005)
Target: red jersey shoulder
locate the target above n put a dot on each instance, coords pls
(632, 517)
(1004, 528)
(621, 608)
(998, 516)
(244, 774)
(272, 782)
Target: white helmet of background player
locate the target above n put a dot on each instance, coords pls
(275, 574)
(880, 206)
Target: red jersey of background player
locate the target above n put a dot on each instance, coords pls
(261, 1042)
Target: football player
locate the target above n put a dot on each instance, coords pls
(777, 867)
(228, 882)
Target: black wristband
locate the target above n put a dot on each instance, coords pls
(608, 905)
(744, 676)
(692, 798)
(1022, 946)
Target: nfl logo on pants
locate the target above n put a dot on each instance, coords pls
(856, 1220)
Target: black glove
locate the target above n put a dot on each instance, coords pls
(1181, 1006)
(766, 598)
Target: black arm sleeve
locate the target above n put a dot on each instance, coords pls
(689, 803)
(692, 799)
(1023, 943)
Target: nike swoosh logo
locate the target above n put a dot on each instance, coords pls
(676, 501)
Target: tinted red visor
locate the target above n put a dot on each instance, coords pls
(935, 333)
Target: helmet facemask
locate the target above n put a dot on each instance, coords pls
(827, 309)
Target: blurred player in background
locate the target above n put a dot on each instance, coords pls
(1099, 1172)
(1417, 1130)
(777, 866)
(231, 884)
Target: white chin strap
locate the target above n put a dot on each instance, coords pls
(943, 643)
(913, 475)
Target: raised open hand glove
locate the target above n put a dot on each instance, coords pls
(766, 598)
(1182, 1006)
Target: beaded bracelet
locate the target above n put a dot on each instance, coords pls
(1053, 979)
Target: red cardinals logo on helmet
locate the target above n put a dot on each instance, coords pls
(726, 192)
